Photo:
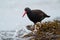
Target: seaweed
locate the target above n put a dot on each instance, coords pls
(44, 31)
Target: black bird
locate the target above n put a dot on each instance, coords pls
(35, 15)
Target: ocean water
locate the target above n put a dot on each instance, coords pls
(13, 35)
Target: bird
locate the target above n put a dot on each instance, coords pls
(35, 15)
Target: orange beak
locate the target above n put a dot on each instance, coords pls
(24, 14)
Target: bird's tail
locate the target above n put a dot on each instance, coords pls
(48, 16)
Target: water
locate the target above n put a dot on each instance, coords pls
(10, 35)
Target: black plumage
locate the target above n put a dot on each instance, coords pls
(35, 15)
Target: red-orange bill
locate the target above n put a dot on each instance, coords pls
(24, 14)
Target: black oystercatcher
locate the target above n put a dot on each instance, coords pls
(35, 15)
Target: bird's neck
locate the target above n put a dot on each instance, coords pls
(29, 12)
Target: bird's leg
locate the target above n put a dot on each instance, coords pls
(36, 27)
(38, 24)
(34, 31)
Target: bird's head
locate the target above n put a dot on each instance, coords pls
(26, 11)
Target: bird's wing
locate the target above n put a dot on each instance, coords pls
(38, 12)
